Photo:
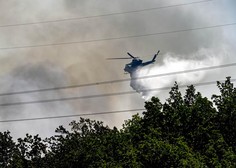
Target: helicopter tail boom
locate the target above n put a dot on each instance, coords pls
(154, 58)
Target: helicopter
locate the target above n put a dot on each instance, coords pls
(136, 62)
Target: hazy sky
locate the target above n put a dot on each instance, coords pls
(80, 63)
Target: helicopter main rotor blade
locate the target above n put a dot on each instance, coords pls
(131, 55)
(118, 58)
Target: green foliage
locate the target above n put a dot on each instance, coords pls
(226, 105)
(185, 131)
(7, 148)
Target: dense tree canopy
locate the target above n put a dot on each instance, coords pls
(185, 131)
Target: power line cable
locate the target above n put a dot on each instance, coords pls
(72, 115)
(117, 38)
(75, 115)
(103, 15)
(100, 95)
(117, 81)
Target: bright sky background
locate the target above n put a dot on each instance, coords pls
(81, 63)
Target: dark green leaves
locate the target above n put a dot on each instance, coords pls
(186, 131)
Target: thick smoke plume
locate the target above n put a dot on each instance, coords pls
(55, 66)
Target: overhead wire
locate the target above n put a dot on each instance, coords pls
(117, 81)
(100, 95)
(118, 38)
(105, 82)
(90, 114)
(72, 115)
(103, 15)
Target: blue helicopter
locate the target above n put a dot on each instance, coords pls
(136, 63)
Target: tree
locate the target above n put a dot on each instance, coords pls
(31, 150)
(7, 149)
(185, 131)
(226, 105)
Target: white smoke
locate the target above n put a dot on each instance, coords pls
(174, 63)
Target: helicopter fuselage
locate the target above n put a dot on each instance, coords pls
(135, 64)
